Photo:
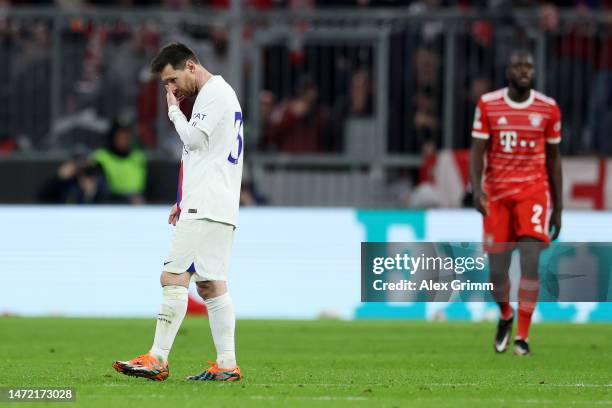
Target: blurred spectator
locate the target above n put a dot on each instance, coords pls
(356, 102)
(125, 168)
(572, 47)
(477, 87)
(266, 108)
(425, 101)
(361, 100)
(426, 64)
(125, 64)
(78, 181)
(600, 115)
(28, 85)
(210, 43)
(426, 122)
(549, 17)
(300, 124)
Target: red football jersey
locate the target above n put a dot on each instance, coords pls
(517, 134)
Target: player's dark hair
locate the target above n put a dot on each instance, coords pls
(175, 54)
(519, 53)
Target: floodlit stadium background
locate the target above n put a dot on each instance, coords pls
(390, 89)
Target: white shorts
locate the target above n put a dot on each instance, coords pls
(201, 247)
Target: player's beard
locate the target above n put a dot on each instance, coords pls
(520, 87)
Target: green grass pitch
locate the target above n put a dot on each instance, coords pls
(314, 363)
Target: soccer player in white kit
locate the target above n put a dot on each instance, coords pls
(205, 213)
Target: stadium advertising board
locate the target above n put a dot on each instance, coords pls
(72, 260)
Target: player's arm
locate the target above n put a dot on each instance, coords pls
(553, 168)
(480, 138)
(191, 136)
(555, 179)
(477, 153)
(555, 176)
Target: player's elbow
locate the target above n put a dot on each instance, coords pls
(192, 139)
(191, 144)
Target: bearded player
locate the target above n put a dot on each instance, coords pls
(205, 213)
(517, 130)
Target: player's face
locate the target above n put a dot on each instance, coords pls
(520, 71)
(181, 82)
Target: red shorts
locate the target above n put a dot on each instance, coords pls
(525, 214)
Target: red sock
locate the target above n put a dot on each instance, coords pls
(501, 295)
(528, 297)
(505, 310)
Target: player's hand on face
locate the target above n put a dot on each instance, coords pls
(555, 224)
(480, 202)
(171, 99)
(174, 215)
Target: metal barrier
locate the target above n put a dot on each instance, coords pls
(329, 95)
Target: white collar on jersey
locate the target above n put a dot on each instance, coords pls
(519, 105)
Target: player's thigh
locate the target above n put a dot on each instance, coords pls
(531, 216)
(214, 251)
(183, 247)
(497, 227)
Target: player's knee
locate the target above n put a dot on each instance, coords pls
(211, 289)
(530, 253)
(204, 289)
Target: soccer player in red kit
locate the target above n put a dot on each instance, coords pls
(515, 148)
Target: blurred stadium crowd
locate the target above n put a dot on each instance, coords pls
(348, 91)
(414, 5)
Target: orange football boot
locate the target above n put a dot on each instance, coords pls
(214, 373)
(145, 366)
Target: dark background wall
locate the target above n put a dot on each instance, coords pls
(22, 179)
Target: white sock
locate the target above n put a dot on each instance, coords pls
(171, 315)
(222, 320)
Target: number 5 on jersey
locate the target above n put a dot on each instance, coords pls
(231, 158)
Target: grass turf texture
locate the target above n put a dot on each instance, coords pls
(314, 363)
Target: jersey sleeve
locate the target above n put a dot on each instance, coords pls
(553, 129)
(207, 113)
(480, 128)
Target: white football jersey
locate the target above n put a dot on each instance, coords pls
(211, 173)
